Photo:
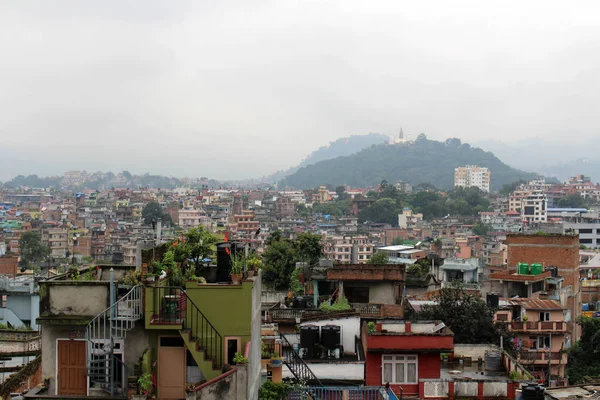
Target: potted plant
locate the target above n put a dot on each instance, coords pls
(145, 386)
(237, 267)
(253, 263)
(239, 359)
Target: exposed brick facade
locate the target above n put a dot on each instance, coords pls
(561, 251)
(9, 265)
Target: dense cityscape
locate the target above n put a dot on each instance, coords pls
(333, 279)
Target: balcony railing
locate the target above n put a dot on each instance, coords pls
(541, 355)
(590, 283)
(340, 393)
(367, 309)
(464, 285)
(538, 326)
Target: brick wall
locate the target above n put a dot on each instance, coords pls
(561, 251)
(8, 265)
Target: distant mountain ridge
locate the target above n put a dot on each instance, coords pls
(341, 147)
(415, 162)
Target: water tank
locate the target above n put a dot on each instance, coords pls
(492, 300)
(331, 336)
(493, 361)
(117, 257)
(309, 338)
(536, 269)
(523, 269)
(310, 301)
(533, 391)
(299, 302)
(585, 307)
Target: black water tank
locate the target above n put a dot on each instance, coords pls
(492, 300)
(330, 336)
(309, 337)
(533, 391)
(117, 257)
(299, 302)
(310, 301)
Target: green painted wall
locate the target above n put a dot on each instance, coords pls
(227, 307)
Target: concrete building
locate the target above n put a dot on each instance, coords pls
(348, 249)
(541, 334)
(584, 222)
(534, 207)
(408, 219)
(472, 176)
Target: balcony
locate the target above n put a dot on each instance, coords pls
(542, 357)
(539, 326)
(591, 283)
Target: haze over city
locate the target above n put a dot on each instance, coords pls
(237, 90)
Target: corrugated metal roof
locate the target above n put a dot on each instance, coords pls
(536, 304)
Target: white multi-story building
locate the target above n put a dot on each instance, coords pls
(472, 176)
(534, 207)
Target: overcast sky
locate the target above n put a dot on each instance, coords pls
(238, 89)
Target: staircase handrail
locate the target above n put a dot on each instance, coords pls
(297, 360)
(115, 304)
(218, 356)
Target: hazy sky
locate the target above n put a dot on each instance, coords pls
(237, 89)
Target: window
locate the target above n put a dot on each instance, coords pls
(586, 231)
(545, 316)
(542, 342)
(586, 241)
(399, 369)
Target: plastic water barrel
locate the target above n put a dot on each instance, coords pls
(537, 269)
(523, 269)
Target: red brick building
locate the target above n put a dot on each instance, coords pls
(401, 353)
(556, 250)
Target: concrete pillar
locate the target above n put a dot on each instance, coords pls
(340, 289)
(316, 293)
(529, 290)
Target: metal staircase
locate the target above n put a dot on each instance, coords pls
(105, 336)
(296, 364)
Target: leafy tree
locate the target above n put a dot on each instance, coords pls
(574, 200)
(309, 248)
(153, 211)
(384, 210)
(281, 255)
(481, 229)
(466, 314)
(197, 244)
(279, 262)
(584, 356)
(32, 249)
(341, 192)
(379, 258)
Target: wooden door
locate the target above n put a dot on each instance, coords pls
(171, 373)
(72, 376)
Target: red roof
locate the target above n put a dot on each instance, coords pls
(511, 212)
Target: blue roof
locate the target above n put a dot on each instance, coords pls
(581, 210)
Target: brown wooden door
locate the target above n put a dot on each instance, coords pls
(72, 377)
(171, 373)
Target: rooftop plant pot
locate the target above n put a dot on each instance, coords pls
(236, 278)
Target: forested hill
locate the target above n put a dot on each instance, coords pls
(420, 161)
(339, 148)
